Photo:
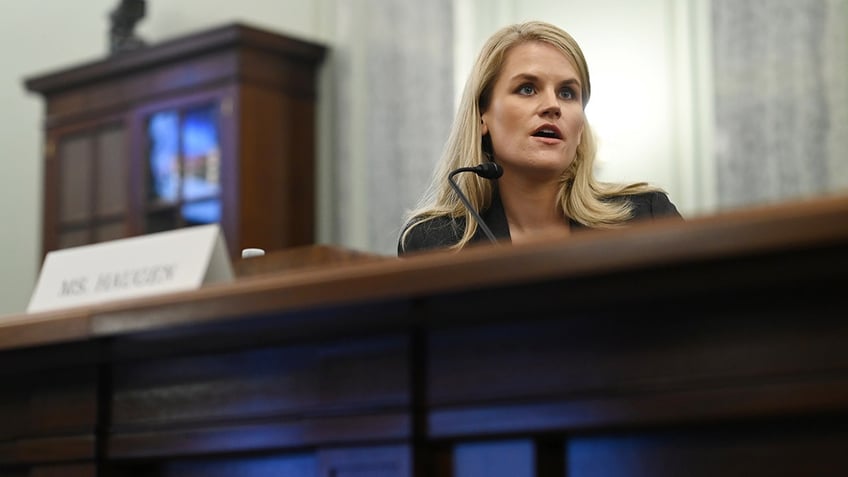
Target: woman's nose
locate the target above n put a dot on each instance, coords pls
(550, 105)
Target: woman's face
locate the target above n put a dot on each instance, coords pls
(535, 114)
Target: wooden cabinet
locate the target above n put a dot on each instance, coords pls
(217, 126)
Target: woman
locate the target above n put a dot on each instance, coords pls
(523, 108)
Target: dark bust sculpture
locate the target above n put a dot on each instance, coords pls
(124, 19)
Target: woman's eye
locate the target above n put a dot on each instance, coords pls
(566, 93)
(526, 89)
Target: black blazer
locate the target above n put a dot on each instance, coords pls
(442, 232)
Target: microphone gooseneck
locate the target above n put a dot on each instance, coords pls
(487, 170)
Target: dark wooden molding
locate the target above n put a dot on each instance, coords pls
(177, 50)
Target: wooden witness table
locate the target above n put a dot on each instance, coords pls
(718, 346)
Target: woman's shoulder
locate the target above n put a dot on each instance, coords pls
(430, 233)
(651, 205)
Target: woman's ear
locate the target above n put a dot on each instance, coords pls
(484, 129)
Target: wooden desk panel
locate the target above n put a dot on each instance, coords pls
(648, 351)
(49, 416)
(273, 397)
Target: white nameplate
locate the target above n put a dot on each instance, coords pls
(177, 260)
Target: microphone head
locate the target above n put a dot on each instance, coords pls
(489, 170)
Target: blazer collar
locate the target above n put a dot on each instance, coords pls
(495, 218)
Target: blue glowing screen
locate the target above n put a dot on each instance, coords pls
(185, 161)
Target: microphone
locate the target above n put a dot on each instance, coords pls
(487, 170)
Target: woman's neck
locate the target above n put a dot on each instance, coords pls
(531, 209)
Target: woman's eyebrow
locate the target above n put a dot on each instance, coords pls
(533, 78)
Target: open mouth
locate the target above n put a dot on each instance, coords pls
(548, 132)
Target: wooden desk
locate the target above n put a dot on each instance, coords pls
(715, 346)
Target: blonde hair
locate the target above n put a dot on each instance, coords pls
(581, 197)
